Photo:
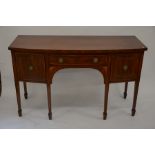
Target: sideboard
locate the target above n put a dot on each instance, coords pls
(37, 58)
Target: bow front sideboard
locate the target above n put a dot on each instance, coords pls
(37, 58)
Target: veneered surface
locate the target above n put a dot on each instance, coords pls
(75, 43)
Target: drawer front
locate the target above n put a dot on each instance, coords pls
(78, 60)
(30, 67)
(125, 67)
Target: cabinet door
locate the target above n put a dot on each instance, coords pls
(30, 67)
(125, 67)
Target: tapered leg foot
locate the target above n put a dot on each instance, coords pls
(125, 95)
(26, 95)
(20, 112)
(50, 116)
(104, 116)
(133, 111)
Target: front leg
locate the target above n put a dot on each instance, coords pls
(49, 101)
(18, 98)
(106, 100)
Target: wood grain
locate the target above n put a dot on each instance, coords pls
(77, 43)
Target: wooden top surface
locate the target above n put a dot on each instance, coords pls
(74, 43)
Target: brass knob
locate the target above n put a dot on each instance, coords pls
(61, 60)
(95, 60)
(125, 67)
(30, 68)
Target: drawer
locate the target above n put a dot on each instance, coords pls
(78, 60)
(124, 67)
(30, 67)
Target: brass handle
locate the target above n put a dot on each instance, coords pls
(125, 67)
(95, 60)
(61, 60)
(30, 68)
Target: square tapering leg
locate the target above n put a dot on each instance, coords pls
(25, 90)
(18, 98)
(106, 101)
(125, 90)
(49, 101)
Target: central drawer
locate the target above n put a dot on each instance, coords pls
(78, 59)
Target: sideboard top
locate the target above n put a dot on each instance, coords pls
(86, 43)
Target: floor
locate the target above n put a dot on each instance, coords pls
(77, 100)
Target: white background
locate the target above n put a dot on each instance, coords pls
(81, 12)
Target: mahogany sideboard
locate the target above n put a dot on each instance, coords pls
(38, 58)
